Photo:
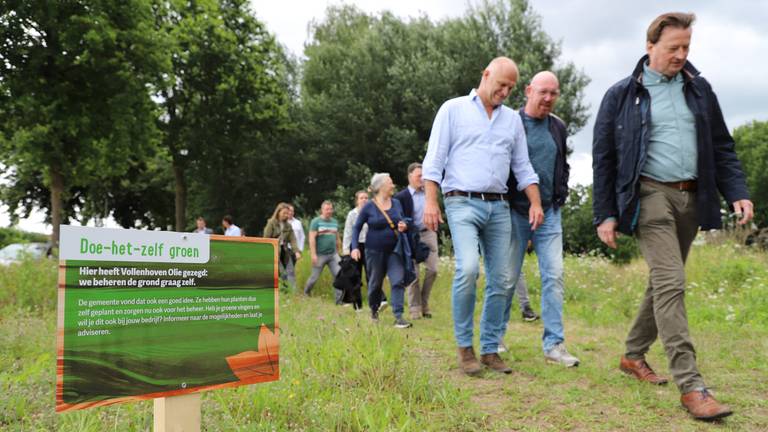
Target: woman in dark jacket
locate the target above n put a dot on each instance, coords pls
(278, 227)
(381, 259)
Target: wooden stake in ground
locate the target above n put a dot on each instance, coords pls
(178, 413)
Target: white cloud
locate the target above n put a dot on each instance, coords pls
(604, 38)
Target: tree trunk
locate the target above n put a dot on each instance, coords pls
(57, 190)
(181, 196)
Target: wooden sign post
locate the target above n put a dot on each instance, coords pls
(178, 413)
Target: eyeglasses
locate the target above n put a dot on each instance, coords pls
(542, 93)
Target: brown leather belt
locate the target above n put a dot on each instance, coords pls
(688, 185)
(485, 196)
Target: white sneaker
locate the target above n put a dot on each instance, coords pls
(559, 354)
(502, 348)
(382, 305)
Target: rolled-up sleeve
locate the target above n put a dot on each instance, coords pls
(439, 144)
(521, 163)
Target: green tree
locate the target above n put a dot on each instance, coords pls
(751, 144)
(372, 84)
(74, 104)
(223, 104)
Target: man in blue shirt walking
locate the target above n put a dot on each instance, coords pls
(474, 142)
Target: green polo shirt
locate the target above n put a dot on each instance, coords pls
(327, 230)
(672, 151)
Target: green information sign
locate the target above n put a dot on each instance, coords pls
(146, 314)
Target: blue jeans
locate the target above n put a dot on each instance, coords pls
(548, 244)
(381, 264)
(476, 223)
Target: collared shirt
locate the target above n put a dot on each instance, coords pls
(298, 231)
(476, 152)
(233, 231)
(418, 206)
(672, 152)
(349, 224)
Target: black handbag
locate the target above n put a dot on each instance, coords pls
(420, 250)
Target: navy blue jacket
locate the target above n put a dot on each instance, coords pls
(406, 200)
(562, 170)
(620, 145)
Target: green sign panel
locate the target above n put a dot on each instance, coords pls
(155, 314)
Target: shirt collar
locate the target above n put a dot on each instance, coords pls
(413, 190)
(651, 76)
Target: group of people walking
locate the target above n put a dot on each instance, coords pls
(661, 154)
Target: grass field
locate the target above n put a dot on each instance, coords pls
(339, 372)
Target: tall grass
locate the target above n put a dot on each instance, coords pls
(341, 372)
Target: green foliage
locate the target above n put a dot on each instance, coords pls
(751, 146)
(13, 235)
(372, 84)
(339, 372)
(225, 106)
(74, 104)
(580, 235)
(343, 197)
(29, 285)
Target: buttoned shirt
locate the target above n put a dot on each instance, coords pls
(672, 152)
(418, 206)
(298, 231)
(233, 231)
(476, 152)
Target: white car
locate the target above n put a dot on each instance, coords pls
(18, 251)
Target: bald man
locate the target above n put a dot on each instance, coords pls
(546, 137)
(475, 141)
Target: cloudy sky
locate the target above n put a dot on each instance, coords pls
(604, 38)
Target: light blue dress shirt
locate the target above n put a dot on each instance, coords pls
(476, 152)
(672, 151)
(418, 206)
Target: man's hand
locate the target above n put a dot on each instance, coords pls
(535, 216)
(355, 254)
(743, 209)
(314, 259)
(432, 215)
(607, 232)
(298, 256)
(535, 211)
(402, 226)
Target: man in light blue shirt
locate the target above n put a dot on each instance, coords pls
(412, 198)
(672, 152)
(474, 142)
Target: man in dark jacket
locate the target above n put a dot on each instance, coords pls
(546, 139)
(661, 152)
(412, 199)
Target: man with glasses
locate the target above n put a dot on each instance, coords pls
(546, 137)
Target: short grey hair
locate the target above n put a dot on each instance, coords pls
(377, 181)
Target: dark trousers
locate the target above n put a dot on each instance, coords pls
(381, 264)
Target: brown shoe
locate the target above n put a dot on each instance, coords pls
(468, 362)
(703, 406)
(495, 362)
(641, 371)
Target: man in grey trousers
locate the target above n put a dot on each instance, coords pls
(661, 153)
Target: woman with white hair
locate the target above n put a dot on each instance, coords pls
(384, 217)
